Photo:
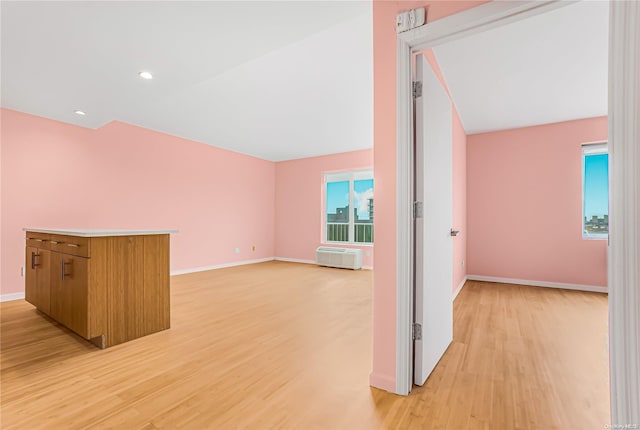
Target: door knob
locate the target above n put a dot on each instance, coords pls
(454, 232)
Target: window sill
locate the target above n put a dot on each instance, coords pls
(595, 237)
(359, 244)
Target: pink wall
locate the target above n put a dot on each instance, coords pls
(525, 204)
(299, 213)
(121, 176)
(383, 374)
(459, 202)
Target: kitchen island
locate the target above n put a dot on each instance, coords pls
(108, 286)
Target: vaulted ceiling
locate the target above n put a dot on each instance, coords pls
(281, 80)
(276, 80)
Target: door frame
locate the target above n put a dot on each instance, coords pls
(624, 131)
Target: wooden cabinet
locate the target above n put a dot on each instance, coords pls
(69, 291)
(38, 270)
(109, 289)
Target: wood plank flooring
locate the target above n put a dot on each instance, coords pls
(288, 346)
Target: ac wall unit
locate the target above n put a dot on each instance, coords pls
(344, 258)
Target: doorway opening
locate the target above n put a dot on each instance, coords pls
(473, 21)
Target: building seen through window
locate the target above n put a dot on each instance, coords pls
(349, 207)
(595, 190)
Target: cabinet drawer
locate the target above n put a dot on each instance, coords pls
(73, 245)
(38, 240)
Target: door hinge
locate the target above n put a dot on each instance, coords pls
(417, 89)
(416, 331)
(418, 209)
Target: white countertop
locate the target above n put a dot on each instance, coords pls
(98, 232)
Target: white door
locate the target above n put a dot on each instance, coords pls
(433, 242)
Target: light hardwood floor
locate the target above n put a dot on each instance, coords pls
(283, 345)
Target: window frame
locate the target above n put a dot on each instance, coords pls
(341, 176)
(587, 149)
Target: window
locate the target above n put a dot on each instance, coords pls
(344, 191)
(595, 191)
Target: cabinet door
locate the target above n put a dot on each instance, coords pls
(37, 286)
(69, 291)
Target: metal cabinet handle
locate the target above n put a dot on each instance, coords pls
(75, 245)
(454, 232)
(33, 260)
(56, 242)
(63, 267)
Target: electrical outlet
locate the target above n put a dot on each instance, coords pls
(22, 271)
(253, 247)
(462, 263)
(368, 253)
(237, 250)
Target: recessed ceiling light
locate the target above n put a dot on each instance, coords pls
(79, 112)
(145, 75)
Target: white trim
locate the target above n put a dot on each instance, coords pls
(404, 220)
(348, 175)
(624, 204)
(294, 260)
(233, 264)
(476, 20)
(466, 23)
(11, 297)
(219, 266)
(347, 244)
(579, 287)
(595, 148)
(459, 287)
(603, 236)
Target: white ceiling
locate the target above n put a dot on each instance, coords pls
(277, 80)
(545, 69)
(281, 80)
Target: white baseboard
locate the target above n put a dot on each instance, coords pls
(242, 263)
(11, 296)
(20, 296)
(459, 288)
(593, 288)
(220, 266)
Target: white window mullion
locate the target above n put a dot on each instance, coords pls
(352, 237)
(350, 178)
